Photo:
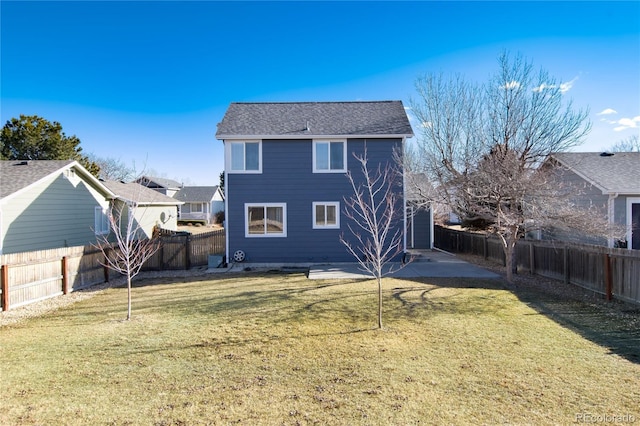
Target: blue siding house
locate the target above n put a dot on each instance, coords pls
(285, 166)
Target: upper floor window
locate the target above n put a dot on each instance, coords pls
(245, 157)
(329, 156)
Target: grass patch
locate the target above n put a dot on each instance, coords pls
(281, 349)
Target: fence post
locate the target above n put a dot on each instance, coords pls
(485, 247)
(105, 268)
(565, 255)
(161, 254)
(4, 277)
(608, 277)
(532, 263)
(187, 253)
(65, 276)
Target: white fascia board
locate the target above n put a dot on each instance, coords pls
(309, 136)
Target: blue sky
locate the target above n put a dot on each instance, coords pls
(147, 82)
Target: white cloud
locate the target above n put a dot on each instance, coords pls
(607, 111)
(511, 85)
(541, 87)
(627, 123)
(564, 87)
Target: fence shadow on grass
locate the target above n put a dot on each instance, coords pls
(612, 325)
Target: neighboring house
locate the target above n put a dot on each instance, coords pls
(48, 204)
(285, 166)
(152, 209)
(167, 187)
(609, 180)
(201, 203)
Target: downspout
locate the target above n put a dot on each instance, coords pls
(404, 198)
(225, 223)
(431, 227)
(611, 213)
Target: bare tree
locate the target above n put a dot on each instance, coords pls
(113, 169)
(482, 145)
(630, 144)
(126, 248)
(374, 212)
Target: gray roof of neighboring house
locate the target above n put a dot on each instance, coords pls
(140, 194)
(308, 119)
(617, 173)
(160, 182)
(202, 194)
(18, 174)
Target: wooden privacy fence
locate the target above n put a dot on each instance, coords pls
(33, 276)
(613, 272)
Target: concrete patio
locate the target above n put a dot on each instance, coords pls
(428, 263)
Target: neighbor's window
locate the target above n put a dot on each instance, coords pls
(326, 215)
(245, 157)
(329, 156)
(266, 220)
(100, 221)
(196, 207)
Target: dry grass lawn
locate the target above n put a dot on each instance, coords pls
(276, 348)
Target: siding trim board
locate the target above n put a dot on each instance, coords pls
(631, 232)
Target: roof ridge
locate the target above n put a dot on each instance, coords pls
(315, 102)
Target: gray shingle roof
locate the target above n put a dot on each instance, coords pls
(156, 182)
(295, 119)
(135, 192)
(202, 194)
(617, 173)
(15, 175)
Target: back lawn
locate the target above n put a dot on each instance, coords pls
(277, 348)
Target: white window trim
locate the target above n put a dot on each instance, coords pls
(265, 235)
(228, 159)
(344, 155)
(630, 202)
(336, 204)
(101, 215)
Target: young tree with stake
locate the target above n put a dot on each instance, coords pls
(374, 212)
(126, 248)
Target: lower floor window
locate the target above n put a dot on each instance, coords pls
(326, 215)
(101, 221)
(266, 220)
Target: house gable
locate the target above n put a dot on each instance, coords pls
(612, 173)
(606, 180)
(48, 204)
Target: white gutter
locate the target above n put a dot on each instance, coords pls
(310, 136)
